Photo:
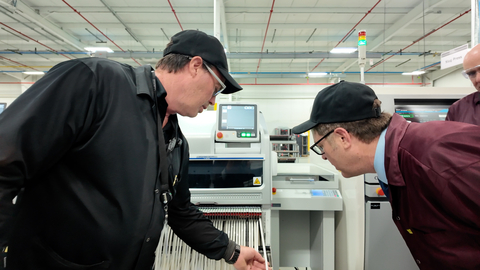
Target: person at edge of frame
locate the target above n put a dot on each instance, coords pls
(467, 109)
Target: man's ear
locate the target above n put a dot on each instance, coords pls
(344, 137)
(194, 65)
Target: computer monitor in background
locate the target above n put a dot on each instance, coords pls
(423, 110)
(2, 106)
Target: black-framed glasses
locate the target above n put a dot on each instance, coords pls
(318, 149)
(471, 72)
(223, 86)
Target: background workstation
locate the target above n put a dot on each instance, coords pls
(279, 51)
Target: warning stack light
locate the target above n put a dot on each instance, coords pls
(362, 47)
(362, 53)
(362, 38)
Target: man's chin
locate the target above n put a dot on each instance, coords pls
(191, 115)
(348, 175)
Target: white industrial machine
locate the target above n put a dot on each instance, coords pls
(305, 198)
(230, 154)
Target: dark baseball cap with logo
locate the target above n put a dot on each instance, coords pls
(341, 102)
(198, 43)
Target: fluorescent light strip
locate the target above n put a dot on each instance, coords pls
(418, 72)
(99, 49)
(343, 50)
(34, 72)
(317, 74)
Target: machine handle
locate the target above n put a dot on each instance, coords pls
(301, 179)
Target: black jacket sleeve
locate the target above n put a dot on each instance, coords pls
(38, 128)
(189, 223)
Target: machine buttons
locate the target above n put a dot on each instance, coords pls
(274, 191)
(380, 192)
(219, 135)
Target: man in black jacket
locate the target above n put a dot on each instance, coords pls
(83, 145)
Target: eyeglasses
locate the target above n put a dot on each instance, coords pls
(471, 72)
(216, 92)
(318, 149)
(223, 86)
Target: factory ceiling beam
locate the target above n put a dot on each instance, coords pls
(29, 14)
(246, 25)
(253, 55)
(440, 40)
(158, 10)
(443, 72)
(129, 31)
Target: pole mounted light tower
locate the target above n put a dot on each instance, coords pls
(362, 53)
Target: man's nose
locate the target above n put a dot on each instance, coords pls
(324, 157)
(212, 101)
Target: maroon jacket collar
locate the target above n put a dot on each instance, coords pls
(396, 130)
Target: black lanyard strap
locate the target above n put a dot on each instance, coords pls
(165, 194)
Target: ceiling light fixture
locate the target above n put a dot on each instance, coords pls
(34, 72)
(417, 72)
(317, 74)
(343, 50)
(99, 49)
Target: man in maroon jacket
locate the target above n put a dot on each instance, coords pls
(432, 170)
(467, 109)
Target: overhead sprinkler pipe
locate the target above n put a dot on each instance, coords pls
(18, 63)
(174, 13)
(76, 11)
(349, 32)
(265, 37)
(34, 40)
(431, 32)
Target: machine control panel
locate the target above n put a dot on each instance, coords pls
(237, 123)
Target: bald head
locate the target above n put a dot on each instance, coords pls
(471, 64)
(472, 58)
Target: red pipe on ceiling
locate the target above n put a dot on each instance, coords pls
(174, 13)
(353, 28)
(18, 63)
(99, 30)
(17, 82)
(34, 40)
(419, 40)
(265, 37)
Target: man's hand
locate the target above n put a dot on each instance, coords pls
(250, 259)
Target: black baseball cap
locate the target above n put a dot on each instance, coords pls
(198, 43)
(341, 102)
